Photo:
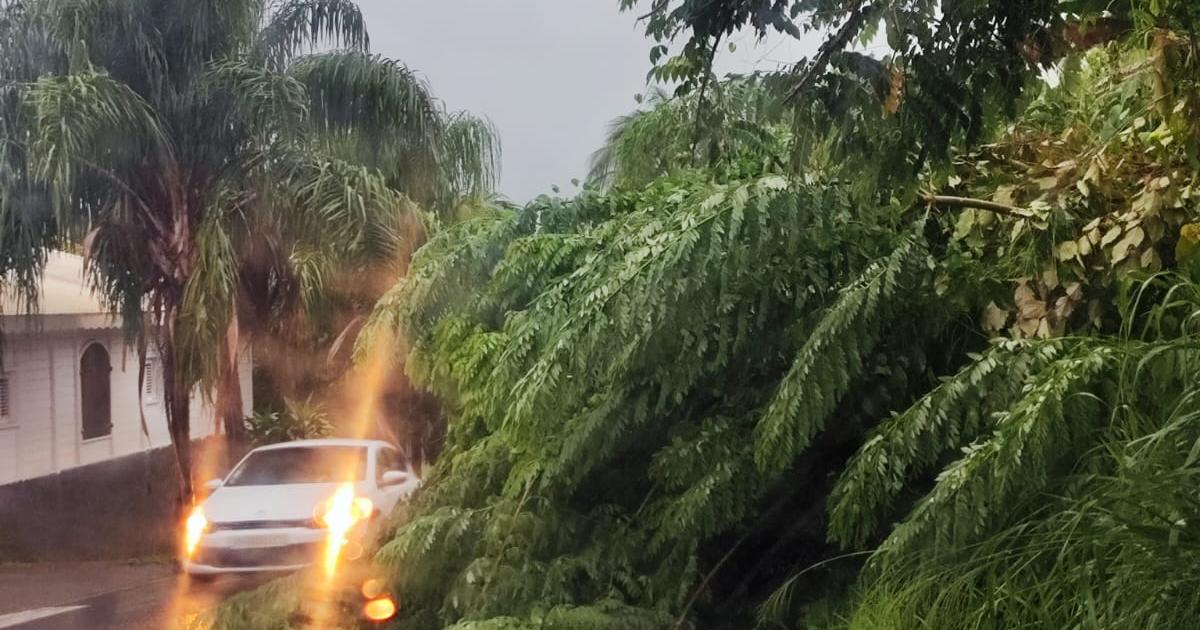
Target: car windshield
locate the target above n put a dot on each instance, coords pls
(324, 464)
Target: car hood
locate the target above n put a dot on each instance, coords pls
(266, 503)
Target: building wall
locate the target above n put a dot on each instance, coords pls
(43, 432)
(130, 503)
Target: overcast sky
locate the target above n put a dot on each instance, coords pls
(550, 74)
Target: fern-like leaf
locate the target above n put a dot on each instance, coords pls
(951, 415)
(1014, 461)
(832, 357)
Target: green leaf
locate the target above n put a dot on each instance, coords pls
(1111, 236)
(1068, 250)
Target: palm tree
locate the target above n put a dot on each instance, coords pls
(738, 120)
(188, 146)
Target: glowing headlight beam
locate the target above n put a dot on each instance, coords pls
(342, 512)
(194, 529)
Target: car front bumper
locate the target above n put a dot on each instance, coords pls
(256, 551)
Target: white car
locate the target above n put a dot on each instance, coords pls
(268, 512)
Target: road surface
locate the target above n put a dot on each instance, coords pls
(105, 596)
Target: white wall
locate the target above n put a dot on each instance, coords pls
(43, 434)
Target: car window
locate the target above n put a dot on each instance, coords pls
(326, 464)
(387, 459)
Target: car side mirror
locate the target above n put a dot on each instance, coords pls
(213, 484)
(393, 478)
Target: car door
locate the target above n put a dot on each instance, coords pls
(387, 459)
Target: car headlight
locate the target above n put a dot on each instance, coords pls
(341, 512)
(194, 529)
(338, 515)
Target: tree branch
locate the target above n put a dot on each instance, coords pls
(980, 204)
(834, 44)
(658, 6)
(679, 623)
(698, 131)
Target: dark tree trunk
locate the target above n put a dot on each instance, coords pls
(176, 256)
(179, 421)
(229, 404)
(229, 387)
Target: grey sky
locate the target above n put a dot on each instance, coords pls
(550, 74)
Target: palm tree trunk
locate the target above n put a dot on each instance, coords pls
(229, 404)
(178, 406)
(177, 264)
(229, 387)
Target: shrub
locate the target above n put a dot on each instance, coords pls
(299, 420)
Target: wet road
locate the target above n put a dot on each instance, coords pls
(106, 596)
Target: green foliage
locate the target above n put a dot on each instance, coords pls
(740, 126)
(603, 360)
(1032, 522)
(654, 390)
(1107, 544)
(1109, 189)
(832, 357)
(270, 607)
(669, 393)
(299, 420)
(946, 73)
(904, 447)
(1016, 458)
(297, 25)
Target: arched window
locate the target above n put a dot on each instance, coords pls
(95, 393)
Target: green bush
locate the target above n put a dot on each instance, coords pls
(299, 420)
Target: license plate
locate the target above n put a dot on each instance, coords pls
(243, 541)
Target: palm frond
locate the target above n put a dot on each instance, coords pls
(296, 26)
(473, 154)
(271, 104)
(312, 268)
(739, 123)
(73, 116)
(323, 199)
(370, 94)
(207, 306)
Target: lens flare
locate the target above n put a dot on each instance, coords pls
(194, 529)
(359, 399)
(380, 609)
(372, 588)
(342, 512)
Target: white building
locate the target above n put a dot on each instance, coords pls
(69, 383)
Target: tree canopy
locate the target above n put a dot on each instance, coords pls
(886, 342)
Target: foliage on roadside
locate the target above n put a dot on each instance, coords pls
(717, 392)
(1074, 506)
(654, 389)
(270, 607)
(616, 409)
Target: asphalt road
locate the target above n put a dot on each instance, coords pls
(106, 596)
